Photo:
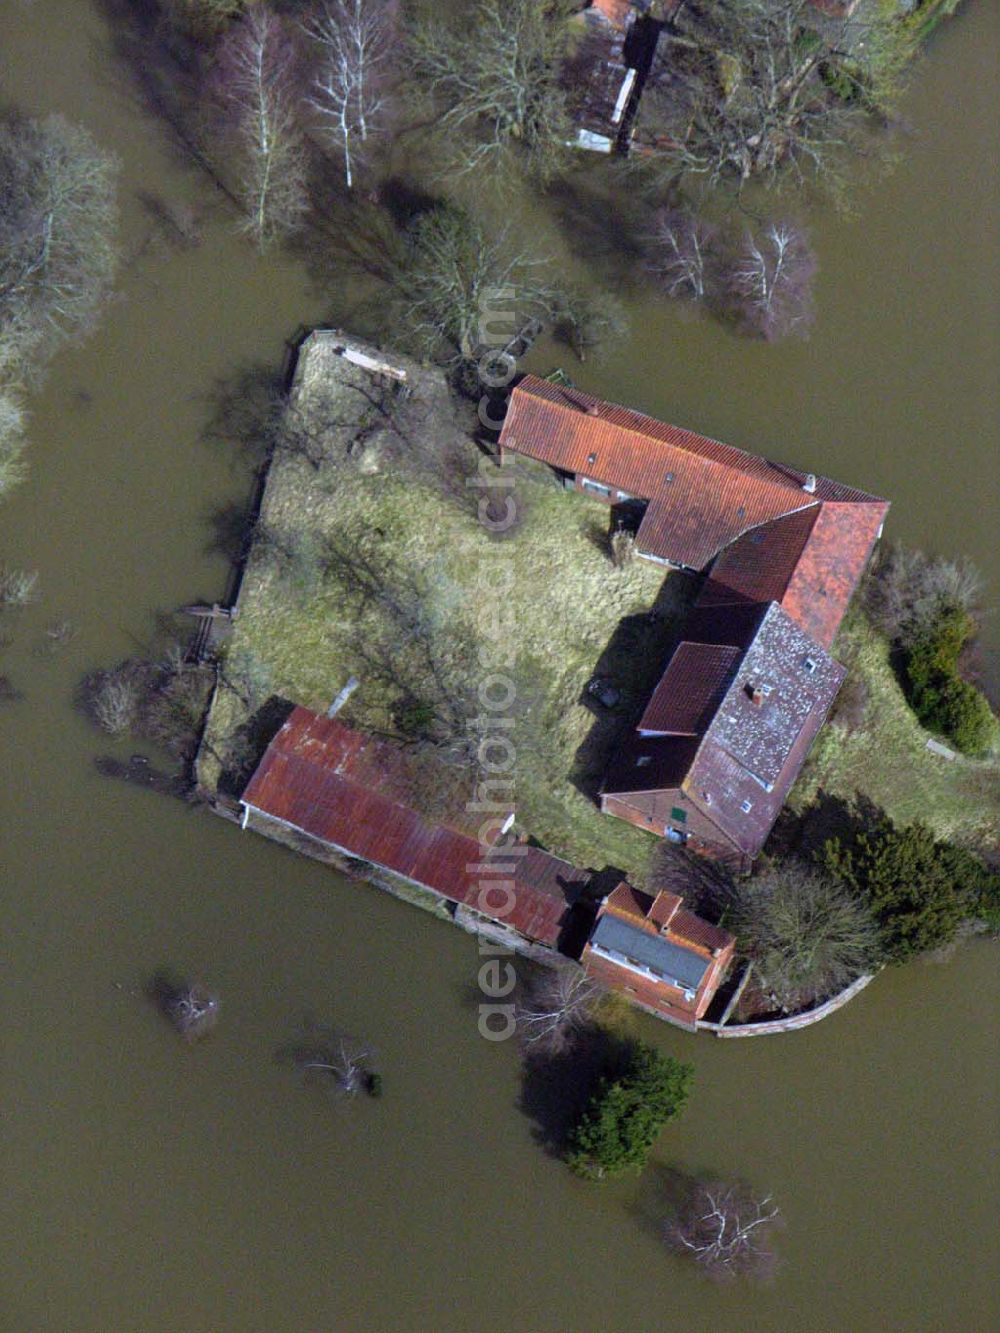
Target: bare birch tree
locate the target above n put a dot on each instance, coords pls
(356, 40)
(555, 1006)
(58, 219)
(770, 284)
(255, 84)
(727, 1229)
(683, 254)
(498, 75)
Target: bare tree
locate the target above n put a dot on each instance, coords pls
(807, 935)
(726, 1228)
(357, 41)
(456, 276)
(344, 1064)
(498, 76)
(587, 320)
(907, 591)
(554, 1006)
(750, 87)
(683, 254)
(255, 84)
(58, 219)
(770, 284)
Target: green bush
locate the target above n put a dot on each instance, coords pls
(919, 890)
(625, 1115)
(941, 699)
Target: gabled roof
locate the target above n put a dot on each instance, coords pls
(355, 792)
(746, 753)
(689, 690)
(811, 562)
(657, 954)
(751, 751)
(702, 494)
(651, 763)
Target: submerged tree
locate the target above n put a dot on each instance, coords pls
(750, 87)
(727, 1228)
(356, 41)
(683, 254)
(457, 278)
(498, 75)
(339, 1062)
(624, 1117)
(190, 1009)
(553, 1007)
(58, 219)
(255, 85)
(586, 320)
(770, 284)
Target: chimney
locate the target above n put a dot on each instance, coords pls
(809, 485)
(757, 696)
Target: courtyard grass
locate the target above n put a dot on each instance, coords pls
(886, 759)
(544, 603)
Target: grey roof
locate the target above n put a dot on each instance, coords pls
(761, 737)
(670, 962)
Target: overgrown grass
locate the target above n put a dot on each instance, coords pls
(550, 589)
(886, 759)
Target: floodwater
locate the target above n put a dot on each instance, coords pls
(150, 1186)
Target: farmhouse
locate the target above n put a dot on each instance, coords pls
(662, 956)
(747, 688)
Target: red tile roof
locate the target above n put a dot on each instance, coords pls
(616, 12)
(351, 790)
(832, 563)
(702, 494)
(696, 930)
(689, 690)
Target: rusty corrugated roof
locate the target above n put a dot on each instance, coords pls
(353, 791)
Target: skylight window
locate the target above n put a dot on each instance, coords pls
(746, 806)
(591, 458)
(810, 664)
(669, 477)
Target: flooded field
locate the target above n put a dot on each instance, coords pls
(152, 1186)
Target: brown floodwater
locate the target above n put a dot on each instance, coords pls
(150, 1186)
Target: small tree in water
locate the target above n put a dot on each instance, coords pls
(625, 1115)
(727, 1229)
(339, 1062)
(191, 1010)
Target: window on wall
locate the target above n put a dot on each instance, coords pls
(678, 815)
(595, 486)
